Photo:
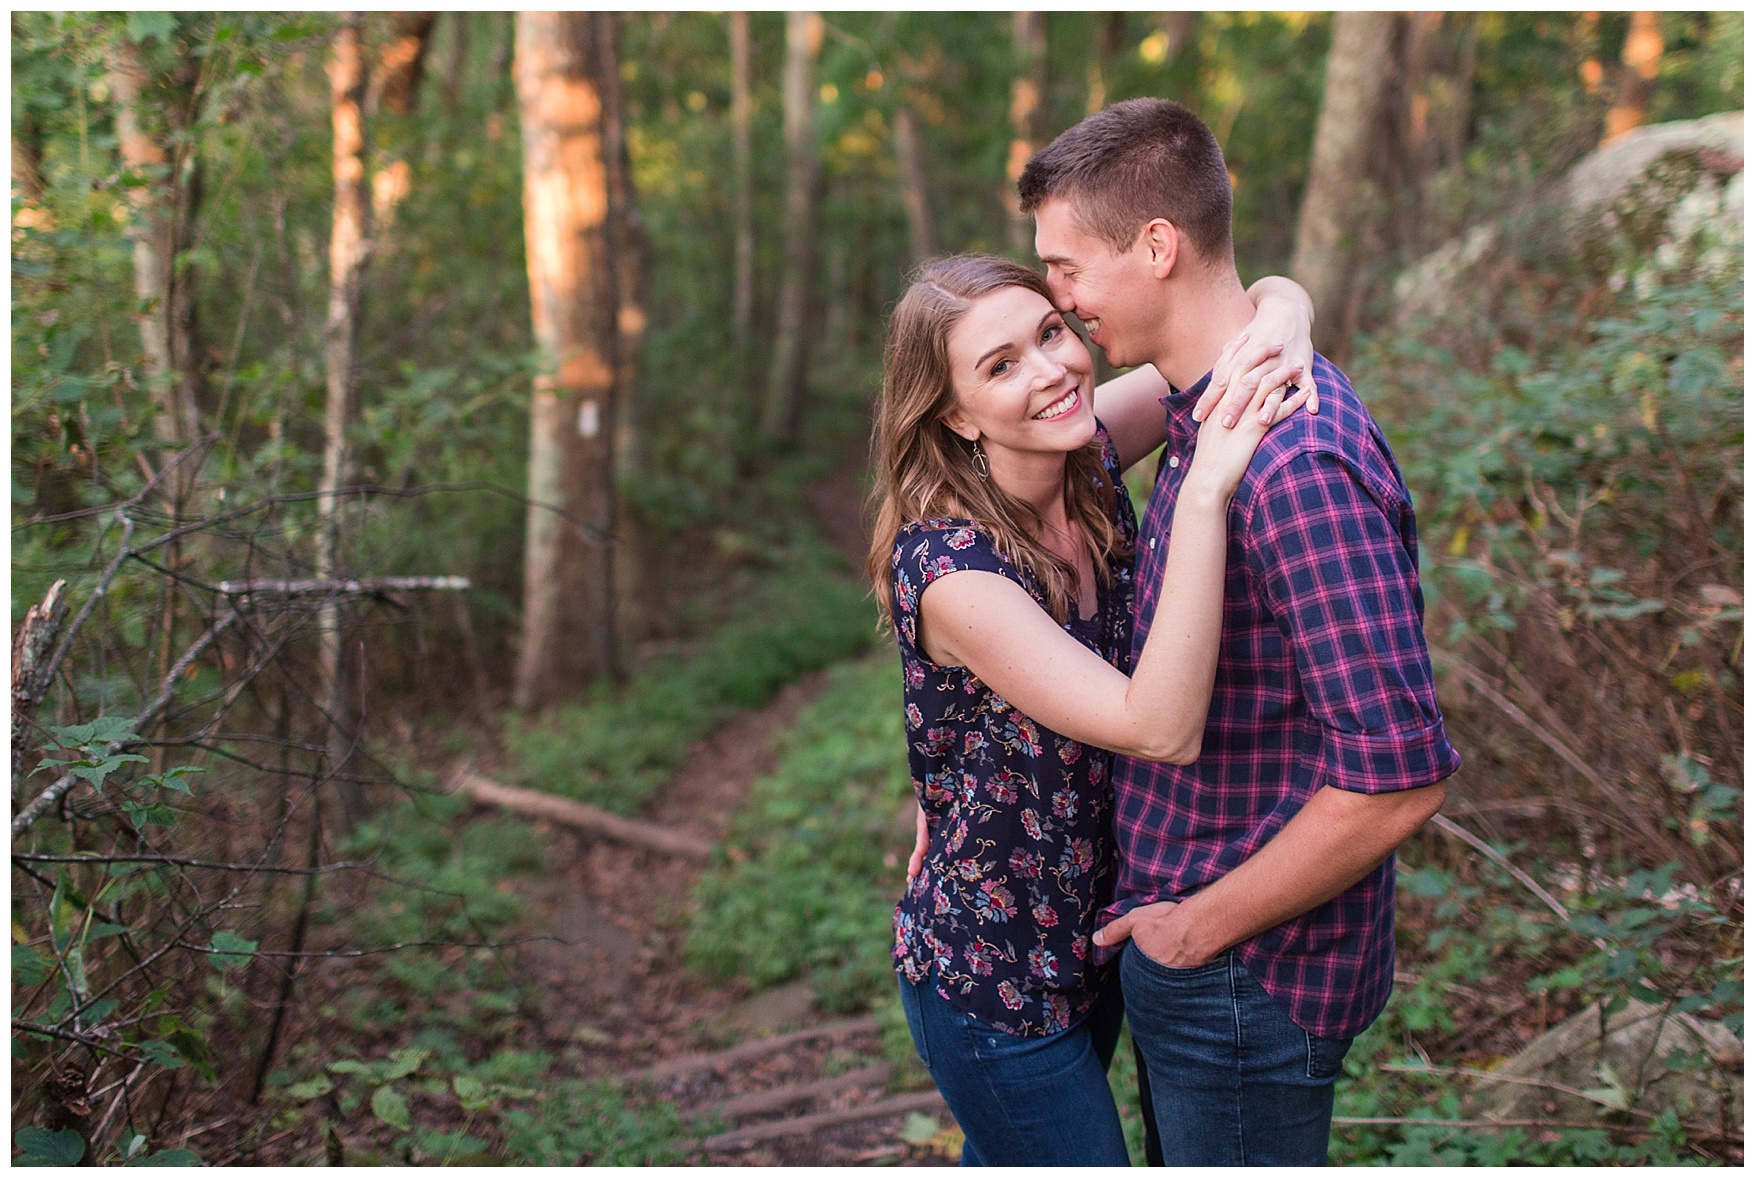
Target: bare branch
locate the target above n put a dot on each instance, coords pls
(330, 586)
(268, 868)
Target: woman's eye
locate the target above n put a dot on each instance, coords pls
(1052, 332)
(1000, 368)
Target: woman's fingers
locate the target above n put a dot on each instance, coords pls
(1237, 359)
(918, 856)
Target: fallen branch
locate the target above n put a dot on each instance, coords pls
(743, 1138)
(772, 1100)
(1529, 1081)
(534, 804)
(1481, 845)
(334, 586)
(756, 1048)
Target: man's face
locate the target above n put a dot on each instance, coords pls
(1111, 292)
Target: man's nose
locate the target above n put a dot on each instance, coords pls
(1060, 293)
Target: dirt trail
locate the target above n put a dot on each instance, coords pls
(795, 1081)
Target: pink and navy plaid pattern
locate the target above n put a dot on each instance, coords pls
(1323, 679)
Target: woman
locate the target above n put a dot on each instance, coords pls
(1003, 551)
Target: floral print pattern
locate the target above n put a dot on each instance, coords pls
(1021, 855)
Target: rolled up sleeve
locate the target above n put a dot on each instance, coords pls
(1339, 569)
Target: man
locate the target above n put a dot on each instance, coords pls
(1256, 898)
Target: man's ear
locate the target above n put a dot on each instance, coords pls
(961, 425)
(1163, 244)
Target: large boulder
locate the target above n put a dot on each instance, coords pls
(1642, 1057)
(1649, 203)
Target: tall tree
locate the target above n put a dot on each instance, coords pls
(1106, 40)
(911, 166)
(391, 89)
(743, 285)
(570, 246)
(153, 113)
(350, 227)
(1029, 80)
(786, 379)
(1640, 57)
(1338, 196)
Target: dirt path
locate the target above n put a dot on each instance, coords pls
(792, 1081)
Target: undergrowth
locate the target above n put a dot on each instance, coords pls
(813, 865)
(617, 747)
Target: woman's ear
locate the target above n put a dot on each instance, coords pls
(960, 425)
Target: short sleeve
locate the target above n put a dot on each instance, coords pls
(1343, 584)
(922, 554)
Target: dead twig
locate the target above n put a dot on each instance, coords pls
(534, 804)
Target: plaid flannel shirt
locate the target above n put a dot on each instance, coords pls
(1323, 679)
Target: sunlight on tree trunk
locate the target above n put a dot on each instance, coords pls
(348, 232)
(1105, 44)
(1029, 79)
(569, 610)
(165, 334)
(1338, 196)
(743, 285)
(1640, 58)
(786, 379)
(911, 166)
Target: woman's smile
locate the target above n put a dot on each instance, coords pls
(1060, 408)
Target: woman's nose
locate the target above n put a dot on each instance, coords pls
(1046, 370)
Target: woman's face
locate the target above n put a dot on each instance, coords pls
(1022, 380)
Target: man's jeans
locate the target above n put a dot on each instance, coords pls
(1022, 1100)
(1228, 1077)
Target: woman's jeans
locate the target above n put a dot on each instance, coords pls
(1023, 1100)
(1228, 1077)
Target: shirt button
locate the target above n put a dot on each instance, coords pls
(1175, 461)
(1152, 543)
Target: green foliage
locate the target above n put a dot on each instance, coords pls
(616, 749)
(814, 859)
(63, 1147)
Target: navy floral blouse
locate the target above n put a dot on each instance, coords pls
(1021, 853)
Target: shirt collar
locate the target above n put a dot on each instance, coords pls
(1179, 403)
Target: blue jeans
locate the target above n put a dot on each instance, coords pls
(1227, 1078)
(1023, 1100)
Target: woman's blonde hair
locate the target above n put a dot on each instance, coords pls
(926, 471)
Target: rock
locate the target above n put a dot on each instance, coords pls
(1640, 1058)
(1657, 200)
(1606, 173)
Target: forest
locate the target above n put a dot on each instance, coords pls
(450, 724)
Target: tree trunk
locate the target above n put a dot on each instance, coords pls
(1179, 29)
(911, 164)
(402, 62)
(743, 285)
(786, 379)
(349, 227)
(1640, 57)
(161, 210)
(1338, 196)
(1105, 44)
(1029, 79)
(569, 582)
(455, 61)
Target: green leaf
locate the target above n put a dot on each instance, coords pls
(43, 1148)
(311, 1089)
(104, 930)
(471, 1093)
(143, 26)
(352, 1067)
(406, 1062)
(230, 950)
(29, 966)
(169, 1157)
(165, 1055)
(173, 778)
(101, 731)
(391, 1107)
(919, 1128)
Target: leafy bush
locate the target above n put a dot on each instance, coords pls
(814, 861)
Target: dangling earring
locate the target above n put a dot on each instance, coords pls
(979, 461)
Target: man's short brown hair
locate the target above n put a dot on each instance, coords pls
(1131, 162)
